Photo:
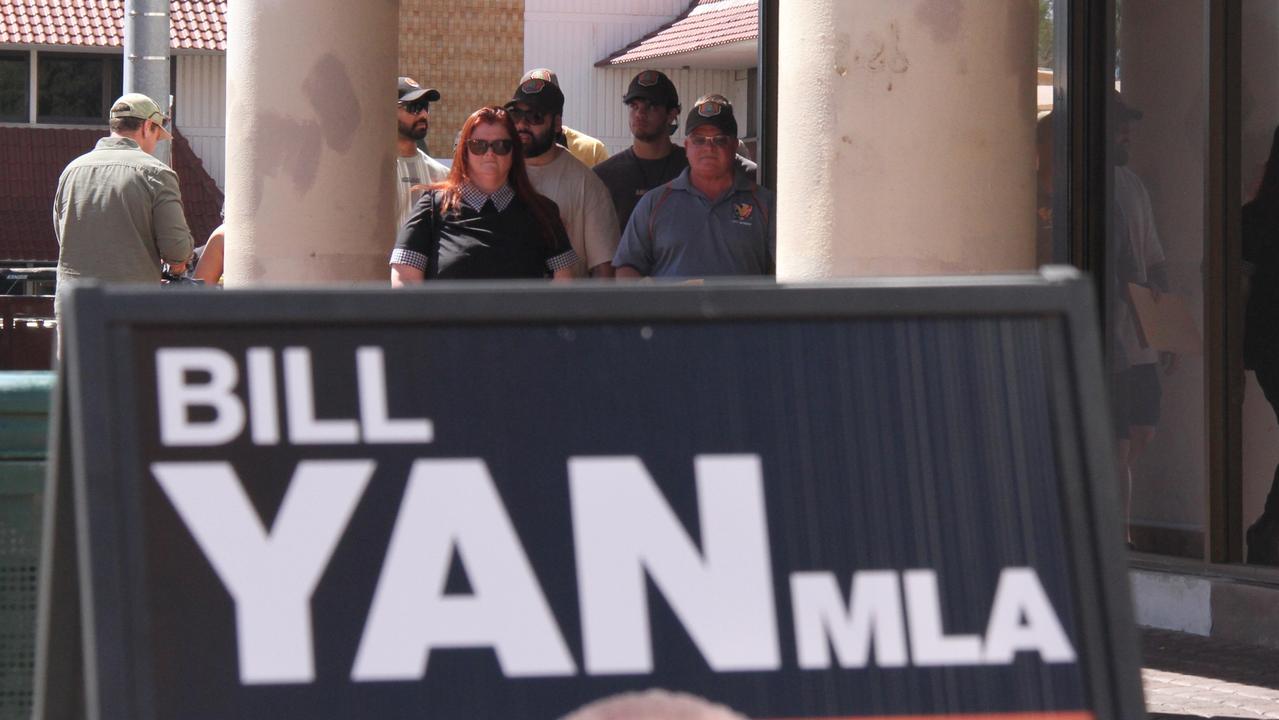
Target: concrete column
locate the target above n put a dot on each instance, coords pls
(906, 137)
(146, 55)
(310, 181)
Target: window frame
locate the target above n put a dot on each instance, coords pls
(25, 58)
(109, 62)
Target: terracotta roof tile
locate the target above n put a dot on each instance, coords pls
(195, 25)
(31, 160)
(706, 23)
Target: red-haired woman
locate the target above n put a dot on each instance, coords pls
(485, 221)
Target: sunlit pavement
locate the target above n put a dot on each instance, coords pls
(1191, 676)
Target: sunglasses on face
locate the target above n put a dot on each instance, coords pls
(533, 117)
(480, 147)
(719, 141)
(414, 108)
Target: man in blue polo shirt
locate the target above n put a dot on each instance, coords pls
(712, 219)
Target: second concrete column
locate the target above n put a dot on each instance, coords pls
(906, 137)
(310, 179)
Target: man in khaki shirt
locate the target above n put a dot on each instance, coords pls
(118, 211)
(584, 202)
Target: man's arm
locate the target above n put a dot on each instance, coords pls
(172, 236)
(634, 257)
(403, 275)
(602, 233)
(209, 269)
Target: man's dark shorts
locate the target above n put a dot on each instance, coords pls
(1134, 398)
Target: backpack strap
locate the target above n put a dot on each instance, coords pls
(762, 209)
(652, 214)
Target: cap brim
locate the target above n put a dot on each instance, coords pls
(658, 98)
(164, 132)
(428, 94)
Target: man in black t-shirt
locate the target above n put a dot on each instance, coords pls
(652, 159)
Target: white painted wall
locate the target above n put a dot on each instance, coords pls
(200, 97)
(570, 36)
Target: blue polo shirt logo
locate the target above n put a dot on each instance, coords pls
(742, 212)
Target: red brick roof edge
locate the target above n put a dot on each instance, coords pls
(688, 33)
(194, 24)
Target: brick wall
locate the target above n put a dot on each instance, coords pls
(472, 51)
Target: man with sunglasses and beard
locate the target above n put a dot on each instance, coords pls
(590, 151)
(537, 109)
(414, 168)
(118, 211)
(711, 220)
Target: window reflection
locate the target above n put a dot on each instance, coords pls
(1154, 280)
(1050, 245)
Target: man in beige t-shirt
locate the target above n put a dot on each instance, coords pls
(585, 205)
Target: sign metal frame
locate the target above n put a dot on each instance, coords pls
(102, 555)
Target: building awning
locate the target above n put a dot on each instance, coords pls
(32, 159)
(194, 24)
(711, 34)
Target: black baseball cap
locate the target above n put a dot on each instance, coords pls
(541, 74)
(411, 91)
(653, 86)
(540, 94)
(713, 109)
(540, 90)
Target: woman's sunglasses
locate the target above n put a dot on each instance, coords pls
(480, 147)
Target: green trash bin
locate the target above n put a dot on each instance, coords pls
(24, 427)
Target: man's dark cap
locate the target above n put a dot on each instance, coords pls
(713, 110)
(540, 94)
(411, 91)
(541, 74)
(653, 86)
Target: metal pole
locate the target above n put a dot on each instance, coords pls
(146, 55)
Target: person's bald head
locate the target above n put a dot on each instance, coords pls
(653, 705)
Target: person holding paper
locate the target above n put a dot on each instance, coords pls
(1134, 256)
